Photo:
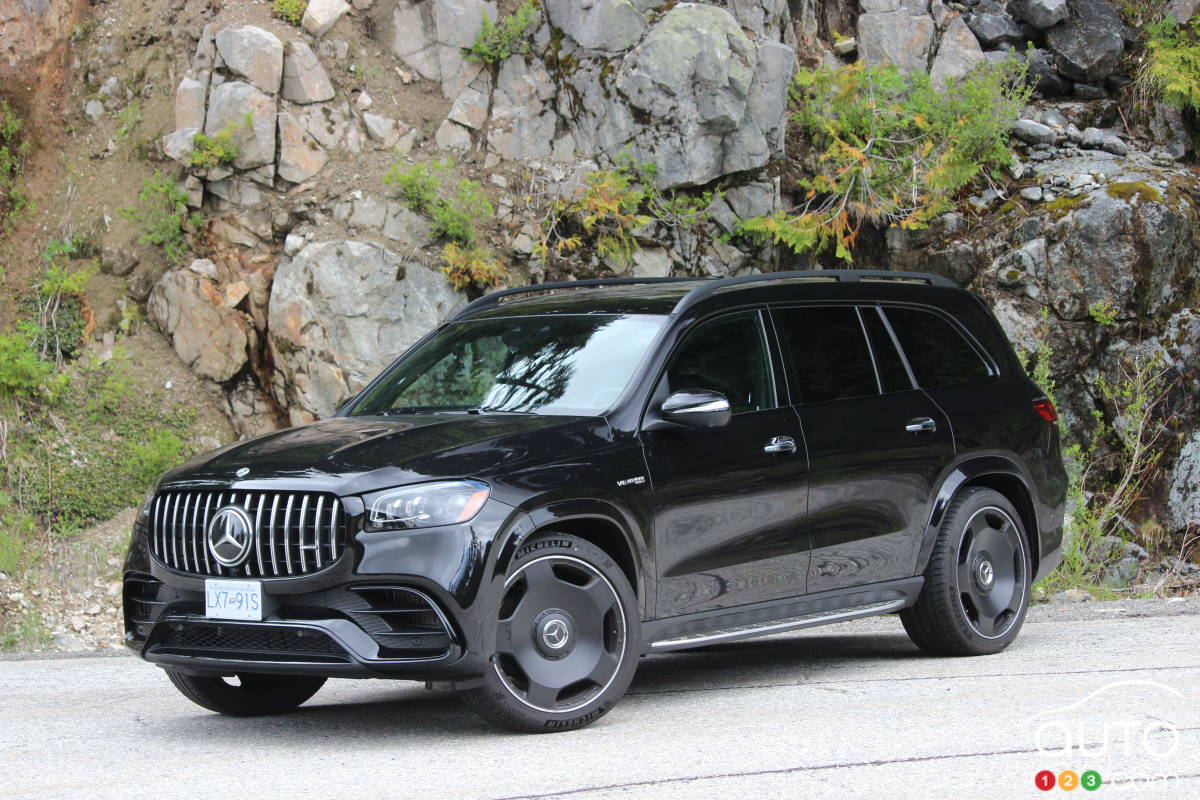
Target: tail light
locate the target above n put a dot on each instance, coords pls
(1044, 408)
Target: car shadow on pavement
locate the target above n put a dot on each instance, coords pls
(362, 711)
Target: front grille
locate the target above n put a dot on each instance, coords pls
(295, 533)
(249, 642)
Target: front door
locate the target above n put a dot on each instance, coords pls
(876, 445)
(729, 501)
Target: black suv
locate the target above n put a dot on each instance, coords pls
(563, 478)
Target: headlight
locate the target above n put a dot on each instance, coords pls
(425, 505)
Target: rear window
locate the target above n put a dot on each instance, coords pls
(937, 352)
(829, 356)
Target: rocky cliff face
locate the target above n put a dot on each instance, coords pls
(311, 273)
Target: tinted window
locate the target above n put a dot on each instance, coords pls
(829, 355)
(726, 355)
(936, 351)
(570, 364)
(892, 374)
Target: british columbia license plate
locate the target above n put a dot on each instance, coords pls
(233, 599)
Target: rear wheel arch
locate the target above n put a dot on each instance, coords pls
(996, 473)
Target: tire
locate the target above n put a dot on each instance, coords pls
(568, 638)
(253, 695)
(976, 591)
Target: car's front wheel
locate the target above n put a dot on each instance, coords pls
(247, 695)
(567, 638)
(976, 590)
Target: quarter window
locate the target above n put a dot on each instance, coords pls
(936, 350)
(726, 355)
(829, 356)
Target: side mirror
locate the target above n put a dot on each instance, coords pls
(697, 408)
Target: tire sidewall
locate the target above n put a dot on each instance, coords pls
(494, 699)
(977, 500)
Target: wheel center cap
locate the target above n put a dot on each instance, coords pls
(985, 573)
(554, 633)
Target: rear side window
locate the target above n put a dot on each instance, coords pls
(829, 356)
(936, 350)
(726, 355)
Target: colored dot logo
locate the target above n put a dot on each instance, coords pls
(1068, 780)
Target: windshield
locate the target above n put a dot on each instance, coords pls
(563, 364)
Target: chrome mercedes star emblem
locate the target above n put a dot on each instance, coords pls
(230, 536)
(243, 472)
(555, 634)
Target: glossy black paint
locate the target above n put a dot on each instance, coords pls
(708, 526)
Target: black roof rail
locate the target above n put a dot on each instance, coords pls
(709, 287)
(494, 298)
(839, 275)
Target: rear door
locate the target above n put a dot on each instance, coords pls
(729, 513)
(876, 444)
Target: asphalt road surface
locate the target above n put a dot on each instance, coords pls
(847, 711)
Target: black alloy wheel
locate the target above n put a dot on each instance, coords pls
(977, 584)
(567, 638)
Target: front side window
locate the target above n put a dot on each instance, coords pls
(561, 364)
(829, 355)
(726, 355)
(936, 351)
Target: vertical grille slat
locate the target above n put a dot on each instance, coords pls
(296, 533)
(317, 529)
(287, 534)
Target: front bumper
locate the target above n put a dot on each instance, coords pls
(398, 605)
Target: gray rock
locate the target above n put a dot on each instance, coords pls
(651, 262)
(1183, 10)
(383, 130)
(253, 54)
(523, 121)
(304, 79)
(1183, 499)
(1114, 144)
(609, 26)
(189, 103)
(878, 6)
(321, 15)
(844, 47)
(228, 106)
(300, 156)
(471, 106)
(896, 38)
(1088, 46)
(1092, 139)
(327, 124)
(93, 110)
(340, 311)
(768, 18)
(1040, 14)
(211, 338)
(428, 36)
(696, 97)
(452, 136)
(1121, 574)
(1032, 193)
(178, 146)
(1032, 132)
(402, 224)
(1089, 91)
(368, 212)
(994, 28)
(958, 53)
(1044, 75)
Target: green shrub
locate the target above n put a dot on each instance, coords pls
(497, 41)
(23, 375)
(453, 217)
(419, 184)
(162, 215)
(475, 266)
(213, 151)
(290, 10)
(1171, 68)
(891, 149)
(14, 200)
(15, 528)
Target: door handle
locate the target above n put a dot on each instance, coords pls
(780, 444)
(921, 425)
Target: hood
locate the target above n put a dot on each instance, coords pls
(348, 454)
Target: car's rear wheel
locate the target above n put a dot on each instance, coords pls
(248, 694)
(567, 638)
(976, 590)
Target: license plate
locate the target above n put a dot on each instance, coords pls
(233, 599)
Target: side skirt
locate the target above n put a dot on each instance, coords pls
(761, 619)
